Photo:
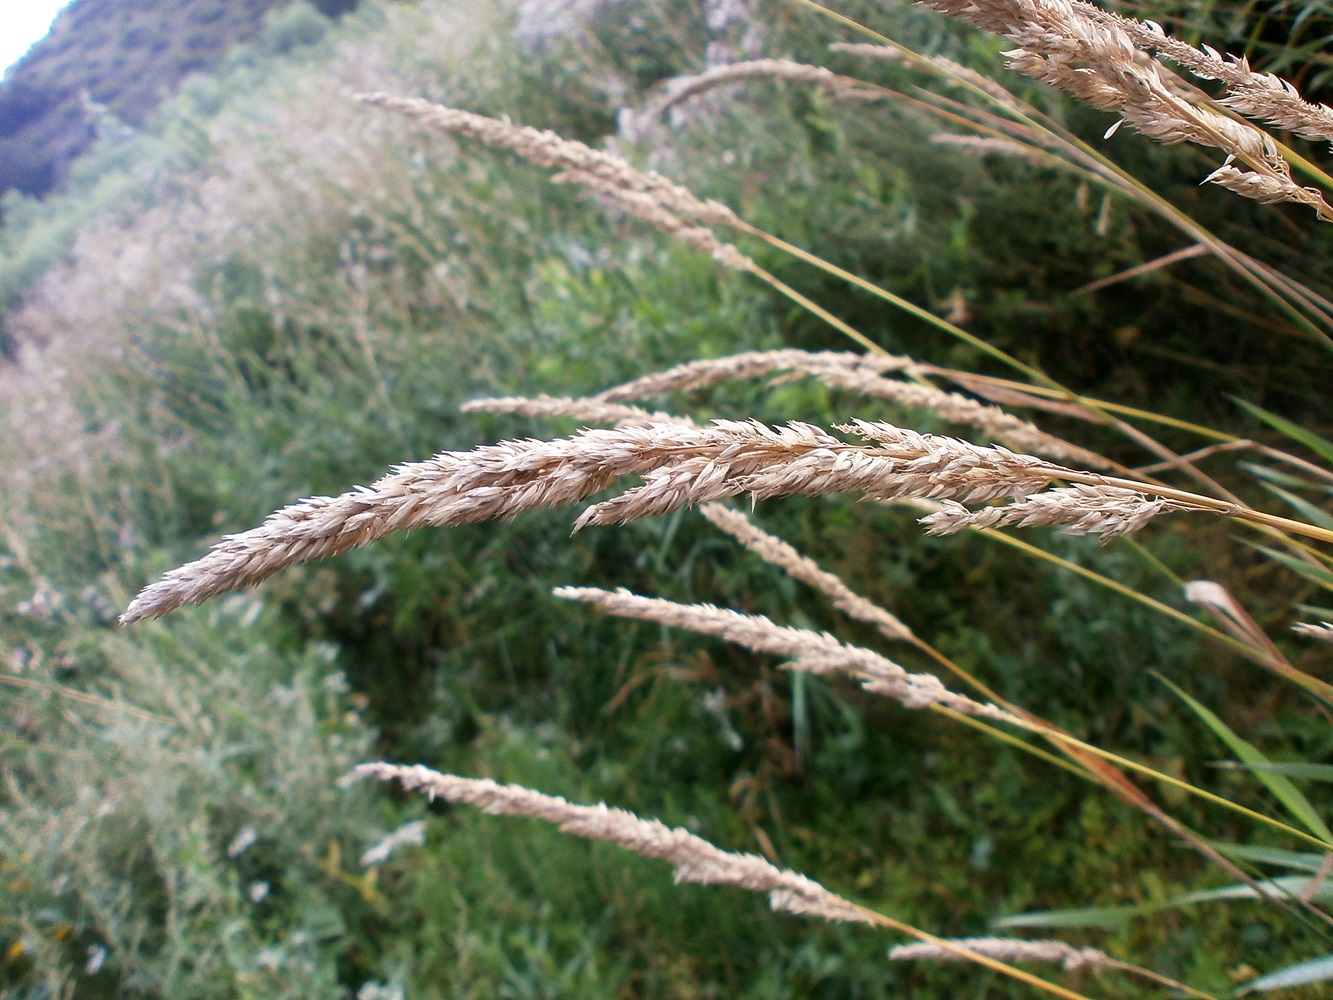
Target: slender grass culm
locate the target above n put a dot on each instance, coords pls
(1019, 474)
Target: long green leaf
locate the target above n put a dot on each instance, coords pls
(1305, 861)
(1279, 784)
(1295, 769)
(1317, 970)
(1091, 916)
(1284, 887)
(1307, 510)
(1313, 573)
(1319, 445)
(1283, 479)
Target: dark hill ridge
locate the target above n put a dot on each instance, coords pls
(123, 56)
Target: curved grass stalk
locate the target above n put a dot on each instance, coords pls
(1191, 789)
(967, 954)
(1103, 768)
(814, 307)
(1215, 634)
(1087, 404)
(1062, 738)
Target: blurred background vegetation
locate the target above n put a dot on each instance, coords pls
(258, 291)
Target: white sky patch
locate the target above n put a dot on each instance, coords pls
(22, 22)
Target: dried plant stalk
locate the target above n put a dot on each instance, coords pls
(493, 481)
(662, 203)
(902, 57)
(694, 859)
(547, 149)
(811, 652)
(1006, 950)
(754, 364)
(805, 460)
(1014, 950)
(775, 551)
(649, 207)
(1106, 511)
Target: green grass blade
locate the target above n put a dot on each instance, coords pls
(1311, 572)
(1307, 510)
(1273, 888)
(1317, 970)
(1113, 916)
(1277, 783)
(1321, 446)
(1296, 769)
(1305, 861)
(1283, 479)
(1090, 916)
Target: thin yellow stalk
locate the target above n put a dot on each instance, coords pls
(815, 308)
(978, 384)
(1157, 977)
(1041, 727)
(969, 338)
(903, 304)
(955, 331)
(1018, 744)
(1129, 592)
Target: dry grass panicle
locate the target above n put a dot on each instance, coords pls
(1005, 949)
(693, 858)
(812, 652)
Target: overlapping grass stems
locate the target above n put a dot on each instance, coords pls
(1044, 480)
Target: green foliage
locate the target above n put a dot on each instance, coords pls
(194, 844)
(296, 26)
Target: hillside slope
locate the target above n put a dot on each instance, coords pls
(105, 65)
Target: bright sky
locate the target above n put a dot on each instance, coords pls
(22, 22)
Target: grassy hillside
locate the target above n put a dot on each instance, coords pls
(306, 295)
(106, 64)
